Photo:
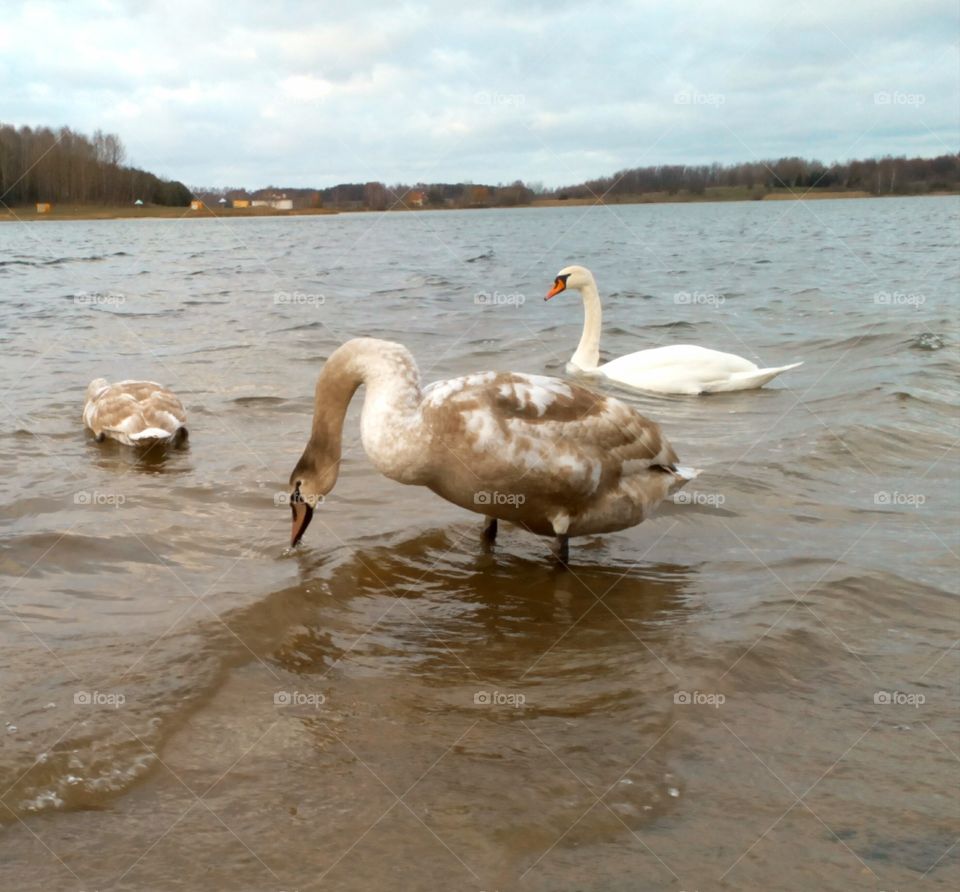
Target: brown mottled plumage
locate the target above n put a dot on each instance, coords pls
(137, 413)
(541, 452)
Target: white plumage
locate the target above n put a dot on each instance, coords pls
(678, 368)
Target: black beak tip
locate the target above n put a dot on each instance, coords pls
(300, 522)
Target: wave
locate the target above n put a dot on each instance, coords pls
(59, 261)
(486, 255)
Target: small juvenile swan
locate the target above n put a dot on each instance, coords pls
(678, 368)
(551, 456)
(137, 413)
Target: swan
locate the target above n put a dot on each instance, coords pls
(137, 413)
(549, 455)
(679, 368)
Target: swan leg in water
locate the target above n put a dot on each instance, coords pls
(561, 549)
(490, 531)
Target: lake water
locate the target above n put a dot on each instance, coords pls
(755, 689)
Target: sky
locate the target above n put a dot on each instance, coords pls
(289, 93)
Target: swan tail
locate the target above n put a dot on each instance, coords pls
(750, 380)
(152, 435)
(682, 475)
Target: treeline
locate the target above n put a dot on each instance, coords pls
(883, 176)
(64, 166)
(378, 196)
(878, 176)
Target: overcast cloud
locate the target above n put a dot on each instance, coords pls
(307, 93)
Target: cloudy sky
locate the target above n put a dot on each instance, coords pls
(228, 92)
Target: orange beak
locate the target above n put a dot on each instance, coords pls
(558, 286)
(302, 515)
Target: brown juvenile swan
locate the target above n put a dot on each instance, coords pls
(551, 456)
(137, 413)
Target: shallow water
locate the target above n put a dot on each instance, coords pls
(698, 703)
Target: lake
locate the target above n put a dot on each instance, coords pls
(757, 688)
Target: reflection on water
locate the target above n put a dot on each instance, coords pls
(507, 662)
(157, 458)
(497, 617)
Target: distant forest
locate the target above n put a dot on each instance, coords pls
(375, 196)
(883, 176)
(63, 166)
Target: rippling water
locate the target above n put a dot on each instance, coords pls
(756, 689)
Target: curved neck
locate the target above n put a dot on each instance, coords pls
(393, 395)
(587, 356)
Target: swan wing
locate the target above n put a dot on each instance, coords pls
(681, 357)
(540, 436)
(679, 368)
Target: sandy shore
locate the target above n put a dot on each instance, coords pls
(102, 212)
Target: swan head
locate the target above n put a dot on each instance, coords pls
(575, 277)
(308, 485)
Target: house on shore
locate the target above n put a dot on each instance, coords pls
(279, 201)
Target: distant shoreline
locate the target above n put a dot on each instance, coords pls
(148, 211)
(154, 212)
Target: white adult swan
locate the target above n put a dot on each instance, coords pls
(137, 413)
(679, 368)
(551, 456)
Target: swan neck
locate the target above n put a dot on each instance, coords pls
(587, 356)
(335, 388)
(392, 397)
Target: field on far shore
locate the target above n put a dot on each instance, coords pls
(713, 193)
